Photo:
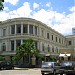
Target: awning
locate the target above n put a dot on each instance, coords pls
(64, 55)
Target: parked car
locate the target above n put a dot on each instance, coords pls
(67, 67)
(49, 68)
(6, 65)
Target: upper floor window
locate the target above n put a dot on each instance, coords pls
(59, 40)
(70, 42)
(42, 33)
(25, 28)
(12, 45)
(31, 29)
(18, 28)
(56, 39)
(47, 35)
(52, 37)
(35, 30)
(4, 32)
(12, 29)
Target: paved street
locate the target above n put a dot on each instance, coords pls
(35, 71)
(21, 72)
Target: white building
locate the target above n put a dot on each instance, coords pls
(13, 32)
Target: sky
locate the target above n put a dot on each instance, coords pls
(57, 14)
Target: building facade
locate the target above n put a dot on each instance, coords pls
(13, 32)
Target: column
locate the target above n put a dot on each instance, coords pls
(33, 30)
(21, 27)
(28, 28)
(21, 41)
(14, 45)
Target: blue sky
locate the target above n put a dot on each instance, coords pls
(58, 14)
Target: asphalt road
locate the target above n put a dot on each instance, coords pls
(21, 72)
(35, 71)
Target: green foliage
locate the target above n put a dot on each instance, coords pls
(52, 58)
(1, 58)
(27, 48)
(1, 4)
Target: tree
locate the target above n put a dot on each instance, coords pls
(26, 49)
(1, 58)
(1, 4)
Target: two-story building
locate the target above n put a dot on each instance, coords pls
(13, 32)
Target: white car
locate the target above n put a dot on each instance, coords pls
(49, 68)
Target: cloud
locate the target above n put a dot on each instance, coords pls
(35, 5)
(13, 2)
(23, 11)
(72, 9)
(66, 24)
(48, 4)
(59, 21)
(4, 16)
(6, 9)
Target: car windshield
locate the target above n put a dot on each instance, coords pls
(47, 64)
(66, 64)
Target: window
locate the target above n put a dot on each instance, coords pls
(57, 50)
(42, 32)
(35, 30)
(35, 44)
(18, 43)
(62, 41)
(3, 47)
(52, 37)
(42, 47)
(52, 48)
(12, 29)
(24, 41)
(47, 35)
(59, 40)
(4, 32)
(25, 28)
(12, 45)
(31, 29)
(48, 48)
(69, 42)
(56, 39)
(18, 28)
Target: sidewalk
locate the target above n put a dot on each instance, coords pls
(16, 68)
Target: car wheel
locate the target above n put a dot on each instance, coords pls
(42, 73)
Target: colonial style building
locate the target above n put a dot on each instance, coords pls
(13, 32)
